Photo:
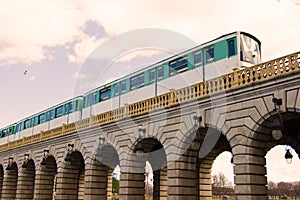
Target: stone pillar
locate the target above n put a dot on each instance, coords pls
(182, 179)
(109, 183)
(205, 187)
(132, 179)
(44, 184)
(67, 183)
(25, 187)
(160, 184)
(1, 179)
(81, 185)
(10, 183)
(250, 180)
(96, 181)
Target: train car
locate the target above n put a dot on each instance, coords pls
(7, 134)
(63, 113)
(206, 61)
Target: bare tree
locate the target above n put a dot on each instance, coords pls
(221, 185)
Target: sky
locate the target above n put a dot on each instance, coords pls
(52, 39)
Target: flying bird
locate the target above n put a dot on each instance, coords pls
(25, 72)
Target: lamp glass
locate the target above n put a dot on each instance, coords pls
(277, 134)
(289, 160)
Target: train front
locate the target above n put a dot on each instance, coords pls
(250, 50)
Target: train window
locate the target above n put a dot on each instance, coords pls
(198, 58)
(137, 81)
(152, 76)
(210, 54)
(160, 72)
(105, 94)
(10, 130)
(71, 107)
(3, 134)
(27, 124)
(34, 121)
(231, 47)
(178, 66)
(42, 118)
(117, 89)
(123, 87)
(91, 99)
(58, 112)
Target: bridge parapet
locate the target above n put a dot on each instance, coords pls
(262, 72)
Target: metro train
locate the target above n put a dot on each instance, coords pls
(206, 61)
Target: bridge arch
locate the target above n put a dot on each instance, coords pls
(250, 143)
(211, 143)
(99, 172)
(133, 169)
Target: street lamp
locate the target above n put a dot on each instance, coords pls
(288, 156)
(277, 128)
(277, 125)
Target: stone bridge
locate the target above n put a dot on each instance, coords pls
(179, 133)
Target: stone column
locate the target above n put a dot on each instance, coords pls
(1, 179)
(67, 183)
(25, 188)
(44, 184)
(95, 181)
(10, 179)
(205, 188)
(250, 180)
(182, 179)
(132, 179)
(109, 183)
(160, 184)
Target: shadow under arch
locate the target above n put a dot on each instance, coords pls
(105, 161)
(212, 142)
(290, 122)
(70, 177)
(158, 160)
(151, 150)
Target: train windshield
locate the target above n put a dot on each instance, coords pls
(250, 49)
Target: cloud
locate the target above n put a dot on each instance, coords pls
(81, 26)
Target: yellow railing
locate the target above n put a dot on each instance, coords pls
(268, 70)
